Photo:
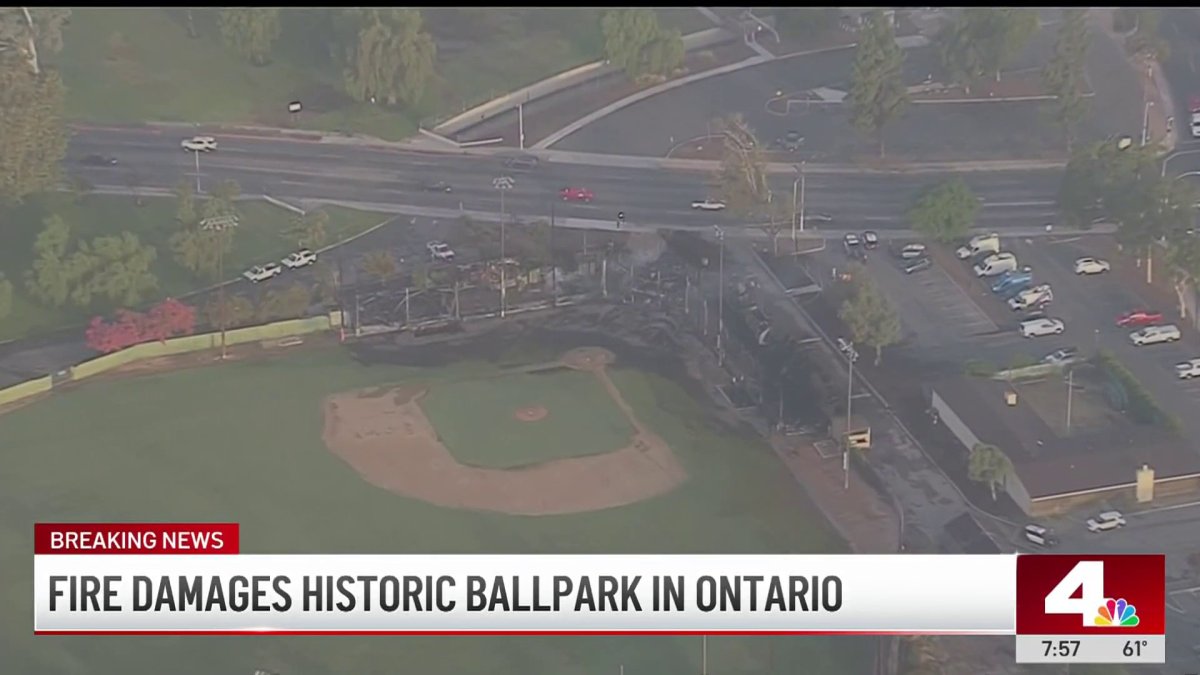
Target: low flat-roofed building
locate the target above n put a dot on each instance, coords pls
(1052, 472)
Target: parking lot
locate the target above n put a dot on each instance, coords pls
(933, 308)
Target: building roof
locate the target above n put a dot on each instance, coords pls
(1053, 466)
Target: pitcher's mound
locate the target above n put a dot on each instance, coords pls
(533, 413)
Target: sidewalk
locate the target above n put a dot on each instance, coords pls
(1153, 83)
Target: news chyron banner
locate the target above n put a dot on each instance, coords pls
(192, 579)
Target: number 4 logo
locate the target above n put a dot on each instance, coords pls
(1087, 577)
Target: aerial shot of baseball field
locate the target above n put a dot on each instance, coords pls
(343, 449)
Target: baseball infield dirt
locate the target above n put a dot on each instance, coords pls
(386, 437)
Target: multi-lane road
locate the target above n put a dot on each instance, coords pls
(374, 175)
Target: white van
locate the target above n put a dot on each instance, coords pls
(978, 244)
(1039, 535)
(996, 264)
(1152, 335)
(1109, 520)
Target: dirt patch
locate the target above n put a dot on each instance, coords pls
(531, 414)
(385, 436)
(1014, 85)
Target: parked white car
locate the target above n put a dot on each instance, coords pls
(1061, 357)
(980, 243)
(439, 250)
(709, 205)
(263, 272)
(1091, 266)
(1038, 296)
(1109, 520)
(199, 144)
(1188, 369)
(301, 258)
(1041, 327)
(1152, 335)
(911, 251)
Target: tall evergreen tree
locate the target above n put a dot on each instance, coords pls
(33, 136)
(251, 31)
(877, 91)
(1064, 74)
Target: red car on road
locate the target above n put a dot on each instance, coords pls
(1139, 317)
(574, 194)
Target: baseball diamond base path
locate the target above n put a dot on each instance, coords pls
(384, 435)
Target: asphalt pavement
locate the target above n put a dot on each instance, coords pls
(291, 170)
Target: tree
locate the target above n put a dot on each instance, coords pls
(239, 311)
(390, 57)
(222, 201)
(923, 655)
(627, 33)
(877, 91)
(742, 176)
(1147, 40)
(289, 303)
(945, 212)
(308, 229)
(870, 316)
(1064, 75)
(48, 281)
(380, 265)
(988, 464)
(114, 268)
(1101, 180)
(6, 296)
(185, 211)
(983, 40)
(1184, 258)
(27, 32)
(251, 31)
(33, 138)
(197, 250)
(327, 283)
(665, 54)
(805, 22)
(165, 320)
(1003, 33)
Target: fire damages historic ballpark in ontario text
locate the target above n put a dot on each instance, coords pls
(411, 593)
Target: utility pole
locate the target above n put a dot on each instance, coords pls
(1146, 122)
(407, 321)
(720, 295)
(503, 184)
(218, 225)
(197, 154)
(703, 655)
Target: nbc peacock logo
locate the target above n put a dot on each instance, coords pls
(1116, 613)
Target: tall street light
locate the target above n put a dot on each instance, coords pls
(196, 154)
(218, 225)
(851, 356)
(799, 181)
(503, 184)
(720, 294)
(1146, 121)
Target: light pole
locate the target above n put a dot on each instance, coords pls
(1146, 121)
(218, 225)
(851, 356)
(799, 181)
(503, 184)
(1070, 394)
(720, 294)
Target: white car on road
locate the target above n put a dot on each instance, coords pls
(199, 144)
(709, 205)
(263, 272)
(301, 258)
(1041, 327)
(1091, 266)
(1109, 520)
(1152, 335)
(439, 250)
(1188, 369)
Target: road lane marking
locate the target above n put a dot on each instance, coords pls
(1163, 509)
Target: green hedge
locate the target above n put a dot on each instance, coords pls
(1131, 396)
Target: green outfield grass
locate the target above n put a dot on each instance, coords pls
(475, 418)
(241, 442)
(259, 238)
